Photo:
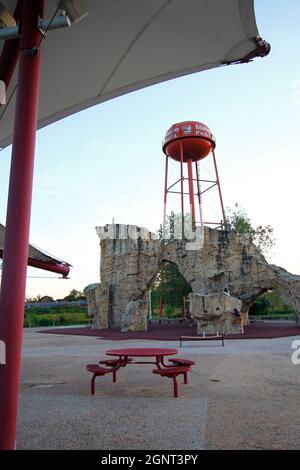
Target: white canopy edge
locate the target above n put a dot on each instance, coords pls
(34, 253)
(123, 46)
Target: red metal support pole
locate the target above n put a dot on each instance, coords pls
(18, 220)
(165, 197)
(218, 184)
(182, 189)
(191, 189)
(161, 307)
(199, 193)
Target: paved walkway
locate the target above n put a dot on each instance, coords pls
(242, 396)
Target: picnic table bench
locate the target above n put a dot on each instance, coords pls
(98, 371)
(201, 338)
(126, 356)
(161, 320)
(172, 372)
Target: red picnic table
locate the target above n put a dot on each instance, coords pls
(125, 353)
(125, 356)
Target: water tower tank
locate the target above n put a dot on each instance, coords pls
(196, 138)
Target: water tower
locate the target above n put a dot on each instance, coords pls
(189, 143)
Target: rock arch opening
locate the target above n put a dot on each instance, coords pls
(270, 304)
(168, 293)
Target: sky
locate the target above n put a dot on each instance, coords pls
(106, 162)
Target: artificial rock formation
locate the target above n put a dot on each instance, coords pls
(214, 313)
(135, 316)
(131, 257)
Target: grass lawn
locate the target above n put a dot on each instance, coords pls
(56, 316)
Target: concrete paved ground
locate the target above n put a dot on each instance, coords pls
(242, 396)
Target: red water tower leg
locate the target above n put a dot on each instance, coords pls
(191, 189)
(182, 189)
(165, 198)
(218, 184)
(161, 307)
(199, 193)
(18, 221)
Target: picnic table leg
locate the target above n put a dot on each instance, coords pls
(122, 363)
(159, 361)
(185, 378)
(175, 386)
(93, 384)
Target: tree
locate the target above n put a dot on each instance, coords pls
(46, 298)
(261, 306)
(238, 220)
(75, 295)
(269, 303)
(170, 285)
(175, 227)
(169, 234)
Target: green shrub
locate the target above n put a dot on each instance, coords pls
(56, 319)
(44, 322)
(269, 303)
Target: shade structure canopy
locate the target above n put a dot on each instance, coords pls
(39, 259)
(121, 46)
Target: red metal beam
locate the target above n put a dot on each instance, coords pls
(62, 268)
(181, 189)
(161, 307)
(165, 198)
(218, 184)
(199, 192)
(191, 189)
(18, 220)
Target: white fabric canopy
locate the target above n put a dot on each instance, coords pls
(124, 45)
(34, 253)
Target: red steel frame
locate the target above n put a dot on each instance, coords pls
(191, 192)
(161, 307)
(199, 192)
(62, 268)
(218, 184)
(18, 219)
(165, 199)
(181, 188)
(191, 189)
(54, 267)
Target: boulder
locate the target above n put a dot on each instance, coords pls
(214, 313)
(135, 316)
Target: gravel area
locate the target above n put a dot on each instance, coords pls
(242, 396)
